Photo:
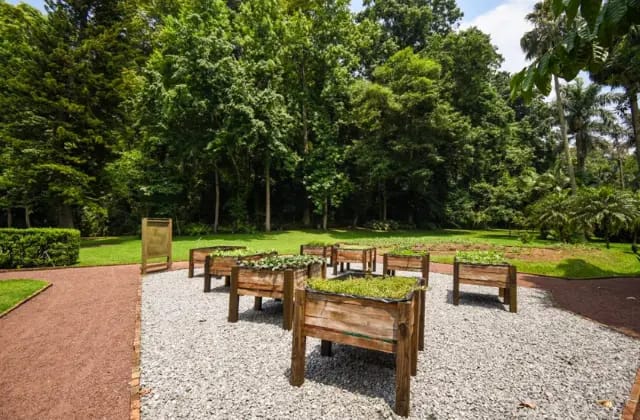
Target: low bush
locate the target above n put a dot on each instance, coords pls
(38, 247)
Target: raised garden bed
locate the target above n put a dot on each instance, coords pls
(318, 249)
(199, 255)
(219, 263)
(347, 254)
(486, 269)
(389, 319)
(406, 260)
(272, 277)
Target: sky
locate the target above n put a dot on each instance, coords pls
(503, 20)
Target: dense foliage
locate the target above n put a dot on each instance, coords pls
(262, 114)
(38, 247)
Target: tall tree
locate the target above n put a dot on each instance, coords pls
(544, 37)
(586, 112)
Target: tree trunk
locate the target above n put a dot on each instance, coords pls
(9, 218)
(306, 216)
(216, 216)
(635, 121)
(267, 195)
(565, 139)
(384, 204)
(620, 172)
(65, 217)
(27, 216)
(325, 213)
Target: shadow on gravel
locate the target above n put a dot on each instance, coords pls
(487, 300)
(271, 312)
(356, 370)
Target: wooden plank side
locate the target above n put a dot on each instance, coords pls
(260, 279)
(261, 293)
(481, 282)
(347, 255)
(337, 337)
(331, 309)
(488, 272)
(344, 299)
(355, 325)
(407, 263)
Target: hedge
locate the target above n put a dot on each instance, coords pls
(39, 247)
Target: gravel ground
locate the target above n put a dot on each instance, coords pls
(480, 361)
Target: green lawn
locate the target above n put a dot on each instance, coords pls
(13, 292)
(574, 261)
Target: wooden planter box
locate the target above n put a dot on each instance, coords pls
(344, 255)
(388, 326)
(420, 263)
(221, 267)
(319, 251)
(502, 276)
(198, 255)
(278, 284)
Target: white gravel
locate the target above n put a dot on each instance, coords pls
(480, 361)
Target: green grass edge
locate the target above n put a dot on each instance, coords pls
(44, 287)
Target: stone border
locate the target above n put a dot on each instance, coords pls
(632, 408)
(25, 300)
(134, 384)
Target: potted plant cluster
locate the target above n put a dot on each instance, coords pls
(349, 253)
(406, 259)
(199, 255)
(486, 268)
(383, 314)
(220, 261)
(319, 249)
(275, 276)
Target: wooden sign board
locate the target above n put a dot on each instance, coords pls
(156, 243)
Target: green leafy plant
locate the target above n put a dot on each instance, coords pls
(246, 252)
(480, 257)
(383, 225)
(282, 262)
(409, 252)
(385, 288)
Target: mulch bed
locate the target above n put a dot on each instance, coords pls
(68, 352)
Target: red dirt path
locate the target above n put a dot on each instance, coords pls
(68, 352)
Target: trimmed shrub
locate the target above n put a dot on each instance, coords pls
(40, 247)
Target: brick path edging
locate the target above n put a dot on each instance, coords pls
(134, 384)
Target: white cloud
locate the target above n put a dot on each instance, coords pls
(506, 24)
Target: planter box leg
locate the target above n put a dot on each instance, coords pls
(456, 284)
(190, 264)
(423, 294)
(325, 348)
(348, 266)
(233, 296)
(513, 299)
(227, 281)
(299, 341)
(207, 276)
(287, 300)
(257, 303)
(501, 294)
(403, 361)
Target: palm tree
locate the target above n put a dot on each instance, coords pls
(587, 117)
(608, 209)
(547, 33)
